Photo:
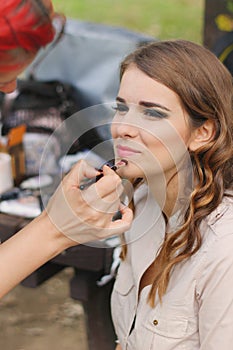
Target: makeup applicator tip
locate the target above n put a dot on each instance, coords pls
(121, 163)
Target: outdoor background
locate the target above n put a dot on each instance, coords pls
(163, 19)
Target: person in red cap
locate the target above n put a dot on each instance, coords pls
(26, 26)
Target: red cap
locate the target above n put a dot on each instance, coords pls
(26, 24)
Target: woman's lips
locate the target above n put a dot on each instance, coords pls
(123, 151)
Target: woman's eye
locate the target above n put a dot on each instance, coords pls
(154, 113)
(121, 108)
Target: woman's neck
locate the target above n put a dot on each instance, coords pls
(170, 206)
(167, 192)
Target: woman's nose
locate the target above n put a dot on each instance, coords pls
(125, 126)
(124, 129)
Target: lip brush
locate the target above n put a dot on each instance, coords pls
(90, 182)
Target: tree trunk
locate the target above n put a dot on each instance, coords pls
(213, 8)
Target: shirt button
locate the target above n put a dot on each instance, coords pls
(155, 322)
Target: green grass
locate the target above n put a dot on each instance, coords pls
(163, 19)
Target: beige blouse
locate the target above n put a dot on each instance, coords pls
(197, 310)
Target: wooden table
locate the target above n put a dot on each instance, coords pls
(89, 264)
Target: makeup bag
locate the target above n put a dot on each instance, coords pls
(43, 106)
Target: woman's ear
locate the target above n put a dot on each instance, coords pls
(202, 135)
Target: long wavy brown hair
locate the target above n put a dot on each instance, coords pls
(204, 87)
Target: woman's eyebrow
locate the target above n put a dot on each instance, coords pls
(145, 104)
(153, 104)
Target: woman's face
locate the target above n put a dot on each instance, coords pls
(150, 128)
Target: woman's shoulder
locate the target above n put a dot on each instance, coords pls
(221, 219)
(217, 244)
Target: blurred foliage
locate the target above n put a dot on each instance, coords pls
(230, 6)
(224, 21)
(163, 19)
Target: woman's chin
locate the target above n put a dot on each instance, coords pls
(130, 172)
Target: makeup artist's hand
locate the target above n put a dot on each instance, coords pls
(72, 216)
(86, 215)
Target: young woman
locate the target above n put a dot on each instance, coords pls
(72, 217)
(174, 126)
